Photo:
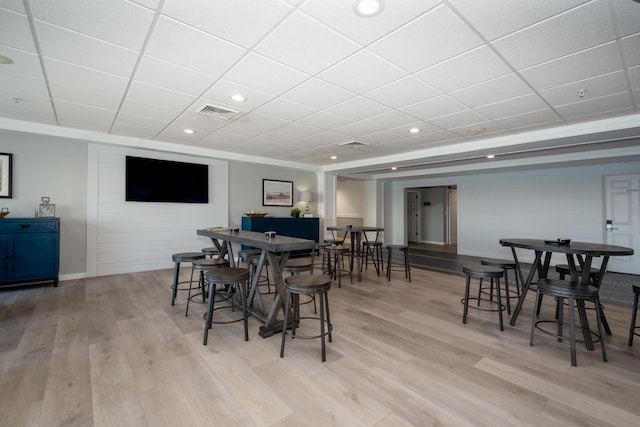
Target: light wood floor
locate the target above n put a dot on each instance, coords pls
(112, 351)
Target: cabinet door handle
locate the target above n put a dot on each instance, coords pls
(25, 225)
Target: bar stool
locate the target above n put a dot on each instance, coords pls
(211, 251)
(373, 250)
(482, 272)
(335, 263)
(245, 254)
(233, 277)
(405, 251)
(300, 265)
(573, 292)
(634, 314)
(563, 270)
(311, 285)
(201, 266)
(177, 260)
(505, 266)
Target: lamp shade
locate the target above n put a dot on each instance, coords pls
(306, 196)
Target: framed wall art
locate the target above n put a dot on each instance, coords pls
(5, 175)
(277, 193)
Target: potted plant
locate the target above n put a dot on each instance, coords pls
(295, 212)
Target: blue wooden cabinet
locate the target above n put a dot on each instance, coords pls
(304, 228)
(29, 250)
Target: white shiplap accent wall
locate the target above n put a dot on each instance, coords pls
(133, 236)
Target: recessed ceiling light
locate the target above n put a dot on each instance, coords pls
(5, 60)
(189, 131)
(491, 156)
(368, 8)
(238, 98)
(414, 130)
(476, 131)
(394, 168)
(334, 157)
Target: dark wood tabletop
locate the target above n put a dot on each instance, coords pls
(257, 240)
(576, 248)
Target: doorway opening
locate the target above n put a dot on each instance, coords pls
(432, 218)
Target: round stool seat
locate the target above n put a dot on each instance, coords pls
(336, 256)
(574, 292)
(207, 263)
(224, 275)
(485, 272)
(500, 263)
(567, 289)
(404, 249)
(244, 254)
(307, 283)
(187, 256)
(211, 251)
(298, 265)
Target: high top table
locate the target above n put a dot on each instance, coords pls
(583, 252)
(276, 250)
(356, 233)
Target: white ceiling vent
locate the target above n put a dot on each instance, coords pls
(352, 144)
(217, 112)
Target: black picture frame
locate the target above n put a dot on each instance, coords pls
(277, 193)
(6, 177)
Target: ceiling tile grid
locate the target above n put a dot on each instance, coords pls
(314, 74)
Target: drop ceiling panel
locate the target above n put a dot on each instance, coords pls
(87, 117)
(631, 49)
(464, 70)
(529, 120)
(356, 129)
(169, 76)
(304, 44)
(242, 22)
(84, 78)
(15, 31)
(592, 88)
(498, 89)
(511, 107)
(284, 109)
(600, 105)
(116, 21)
(88, 51)
(582, 28)
(434, 107)
(160, 112)
(324, 120)
(358, 108)
(455, 120)
(496, 18)
(33, 109)
(634, 77)
(338, 15)
(317, 93)
(23, 84)
(191, 48)
(390, 120)
(403, 92)
(579, 66)
(151, 125)
(273, 78)
(24, 63)
(80, 96)
(176, 101)
(362, 72)
(14, 5)
(220, 94)
(440, 29)
(627, 16)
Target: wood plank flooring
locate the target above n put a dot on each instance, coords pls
(113, 351)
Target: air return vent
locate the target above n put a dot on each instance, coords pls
(352, 144)
(217, 112)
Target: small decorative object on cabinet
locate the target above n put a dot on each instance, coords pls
(29, 251)
(295, 212)
(46, 209)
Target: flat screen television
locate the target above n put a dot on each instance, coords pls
(153, 180)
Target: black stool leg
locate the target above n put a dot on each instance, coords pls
(322, 344)
(466, 299)
(174, 290)
(407, 269)
(499, 303)
(634, 315)
(572, 332)
(599, 322)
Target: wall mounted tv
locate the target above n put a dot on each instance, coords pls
(152, 180)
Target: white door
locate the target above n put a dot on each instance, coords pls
(622, 223)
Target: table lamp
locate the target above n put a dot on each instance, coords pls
(306, 196)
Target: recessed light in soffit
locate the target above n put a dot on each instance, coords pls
(5, 61)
